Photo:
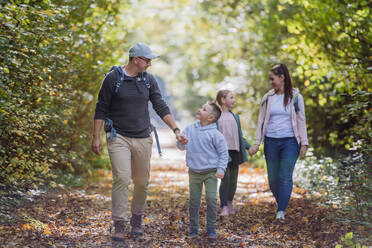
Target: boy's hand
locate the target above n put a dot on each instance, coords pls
(182, 139)
(220, 174)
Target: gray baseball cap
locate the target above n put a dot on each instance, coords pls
(141, 50)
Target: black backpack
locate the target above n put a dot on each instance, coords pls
(120, 77)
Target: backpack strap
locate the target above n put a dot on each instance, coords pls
(262, 104)
(146, 79)
(120, 77)
(295, 102)
(157, 139)
(265, 101)
(109, 127)
(142, 77)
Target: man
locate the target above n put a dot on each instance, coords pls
(123, 104)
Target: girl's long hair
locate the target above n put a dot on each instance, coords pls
(288, 88)
(220, 94)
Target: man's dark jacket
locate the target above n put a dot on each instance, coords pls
(128, 108)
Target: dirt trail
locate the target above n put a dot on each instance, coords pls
(81, 218)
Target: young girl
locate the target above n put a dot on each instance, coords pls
(282, 127)
(229, 126)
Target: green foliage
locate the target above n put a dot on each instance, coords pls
(350, 242)
(329, 46)
(359, 112)
(344, 182)
(233, 44)
(52, 55)
(219, 44)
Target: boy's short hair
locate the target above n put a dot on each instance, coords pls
(216, 111)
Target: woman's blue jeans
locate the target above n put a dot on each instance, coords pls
(281, 155)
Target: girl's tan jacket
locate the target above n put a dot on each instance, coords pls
(298, 119)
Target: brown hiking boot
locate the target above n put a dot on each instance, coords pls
(135, 222)
(118, 234)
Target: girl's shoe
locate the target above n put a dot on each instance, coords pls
(280, 215)
(224, 211)
(230, 207)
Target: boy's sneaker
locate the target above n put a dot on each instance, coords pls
(118, 234)
(136, 222)
(280, 215)
(193, 232)
(230, 207)
(211, 232)
(224, 211)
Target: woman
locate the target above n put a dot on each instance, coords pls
(282, 126)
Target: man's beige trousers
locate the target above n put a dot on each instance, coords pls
(130, 158)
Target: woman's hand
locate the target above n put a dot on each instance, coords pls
(303, 150)
(253, 150)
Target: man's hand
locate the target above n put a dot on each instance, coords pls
(96, 145)
(220, 174)
(303, 150)
(253, 150)
(96, 142)
(181, 138)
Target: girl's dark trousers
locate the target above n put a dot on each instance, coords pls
(230, 180)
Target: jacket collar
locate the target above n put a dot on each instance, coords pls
(207, 127)
(272, 92)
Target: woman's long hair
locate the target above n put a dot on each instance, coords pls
(288, 88)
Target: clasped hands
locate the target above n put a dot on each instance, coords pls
(181, 138)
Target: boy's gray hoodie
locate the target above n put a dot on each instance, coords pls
(206, 148)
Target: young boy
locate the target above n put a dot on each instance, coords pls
(207, 158)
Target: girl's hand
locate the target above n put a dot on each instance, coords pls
(303, 150)
(253, 150)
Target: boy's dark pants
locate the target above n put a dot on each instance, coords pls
(196, 181)
(230, 180)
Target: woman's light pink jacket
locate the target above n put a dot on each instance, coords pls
(298, 119)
